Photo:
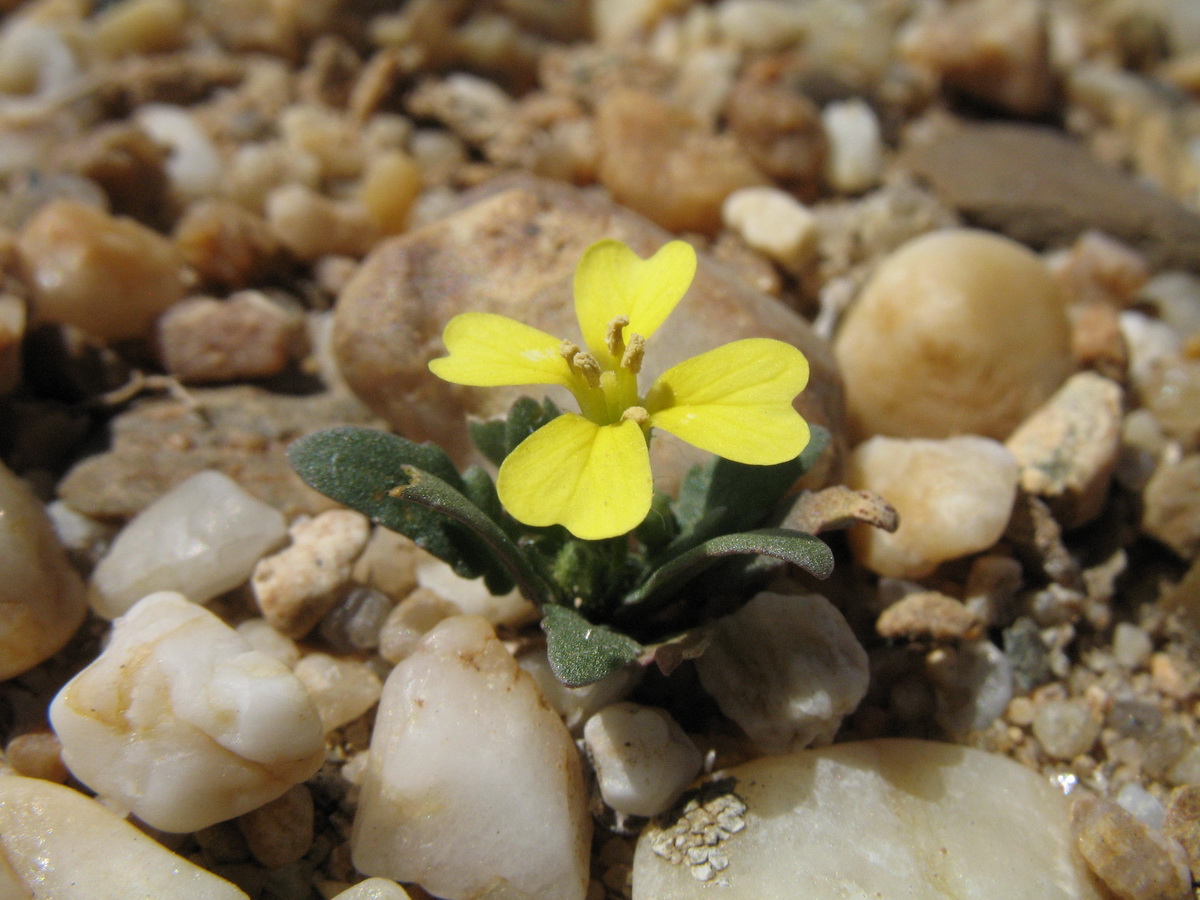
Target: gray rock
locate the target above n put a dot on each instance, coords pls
(512, 249)
(1172, 505)
(241, 431)
(1044, 189)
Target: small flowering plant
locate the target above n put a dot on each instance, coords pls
(572, 519)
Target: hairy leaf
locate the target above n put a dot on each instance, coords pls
(581, 652)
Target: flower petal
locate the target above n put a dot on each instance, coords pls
(735, 401)
(490, 350)
(613, 281)
(593, 479)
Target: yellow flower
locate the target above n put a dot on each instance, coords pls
(591, 472)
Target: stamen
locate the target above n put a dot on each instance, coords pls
(637, 413)
(632, 358)
(581, 363)
(613, 339)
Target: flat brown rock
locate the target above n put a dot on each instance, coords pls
(242, 431)
(512, 249)
(1045, 189)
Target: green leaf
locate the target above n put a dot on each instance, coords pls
(358, 467)
(581, 652)
(659, 527)
(497, 438)
(796, 547)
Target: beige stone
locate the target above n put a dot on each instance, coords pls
(228, 245)
(390, 317)
(958, 332)
(42, 598)
(12, 335)
(928, 615)
(109, 276)
(656, 159)
(954, 497)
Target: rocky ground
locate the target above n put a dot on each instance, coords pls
(229, 223)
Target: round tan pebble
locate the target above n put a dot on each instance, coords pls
(389, 187)
(140, 26)
(958, 331)
(108, 276)
(954, 497)
(36, 755)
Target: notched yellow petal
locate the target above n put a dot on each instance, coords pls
(736, 401)
(489, 350)
(612, 282)
(592, 479)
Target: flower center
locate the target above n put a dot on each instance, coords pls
(609, 395)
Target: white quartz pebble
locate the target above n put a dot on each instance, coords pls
(787, 669)
(201, 538)
(471, 595)
(342, 689)
(889, 819)
(577, 704)
(773, 222)
(193, 166)
(182, 723)
(642, 758)
(42, 600)
(57, 843)
(473, 783)
(855, 159)
(374, 889)
(954, 497)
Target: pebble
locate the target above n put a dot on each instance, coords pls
(341, 689)
(311, 225)
(786, 669)
(203, 341)
(257, 169)
(1175, 296)
(354, 624)
(326, 135)
(279, 833)
(1182, 823)
(1172, 393)
(472, 778)
(42, 598)
(182, 723)
(227, 245)
(265, 639)
(409, 620)
(577, 705)
(887, 818)
(1135, 799)
(128, 165)
(296, 587)
(773, 222)
(13, 320)
(973, 685)
(1044, 189)
(855, 159)
(389, 187)
(954, 497)
(194, 167)
(1133, 861)
(1152, 345)
(241, 430)
(450, 265)
(139, 26)
(643, 759)
(58, 843)
(1066, 728)
(1131, 645)
(991, 588)
(658, 161)
(928, 616)
(994, 51)
(957, 332)
(619, 20)
(108, 276)
(777, 125)
(374, 889)
(35, 58)
(1068, 448)
(204, 536)
(1171, 505)
(761, 25)
(37, 755)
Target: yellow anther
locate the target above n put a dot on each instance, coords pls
(581, 363)
(613, 338)
(637, 413)
(631, 359)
